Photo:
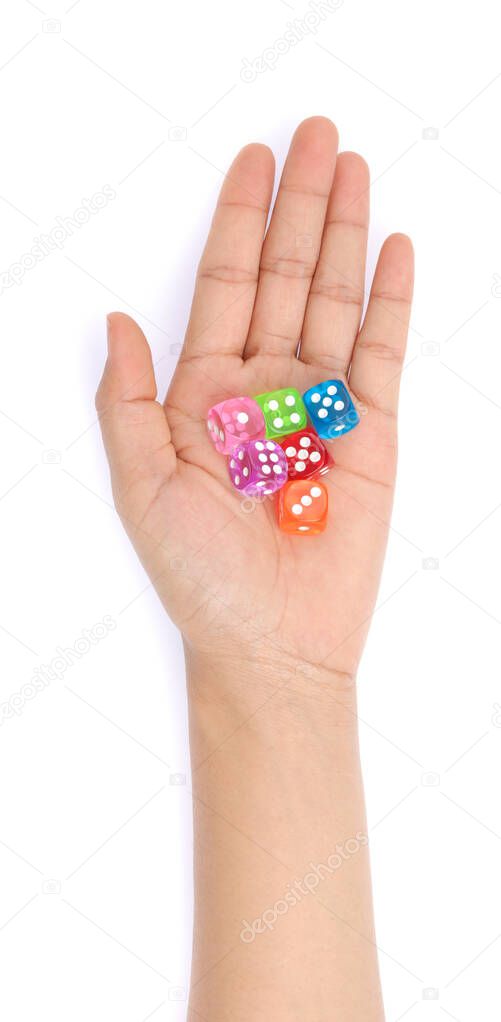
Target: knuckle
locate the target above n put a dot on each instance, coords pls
(303, 192)
(342, 223)
(227, 274)
(297, 269)
(381, 350)
(327, 360)
(243, 207)
(343, 294)
(391, 296)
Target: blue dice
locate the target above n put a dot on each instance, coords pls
(331, 409)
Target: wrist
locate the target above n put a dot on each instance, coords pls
(265, 700)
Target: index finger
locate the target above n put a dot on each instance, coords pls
(228, 271)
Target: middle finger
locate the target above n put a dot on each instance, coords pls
(292, 243)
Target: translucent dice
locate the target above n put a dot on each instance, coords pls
(331, 409)
(233, 421)
(271, 447)
(283, 411)
(306, 455)
(258, 467)
(302, 507)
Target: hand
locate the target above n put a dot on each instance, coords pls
(232, 581)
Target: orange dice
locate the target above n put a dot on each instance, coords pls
(302, 507)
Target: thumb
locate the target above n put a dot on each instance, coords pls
(135, 431)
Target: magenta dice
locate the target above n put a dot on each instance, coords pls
(258, 467)
(234, 422)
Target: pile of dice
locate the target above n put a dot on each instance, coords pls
(271, 447)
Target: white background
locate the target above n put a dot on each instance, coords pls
(89, 798)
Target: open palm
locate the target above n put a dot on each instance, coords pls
(272, 308)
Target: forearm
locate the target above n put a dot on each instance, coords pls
(283, 915)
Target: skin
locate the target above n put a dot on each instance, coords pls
(273, 625)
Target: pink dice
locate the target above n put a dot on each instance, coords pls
(258, 467)
(235, 421)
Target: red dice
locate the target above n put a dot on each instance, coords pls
(302, 507)
(306, 455)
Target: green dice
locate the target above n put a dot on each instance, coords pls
(284, 411)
